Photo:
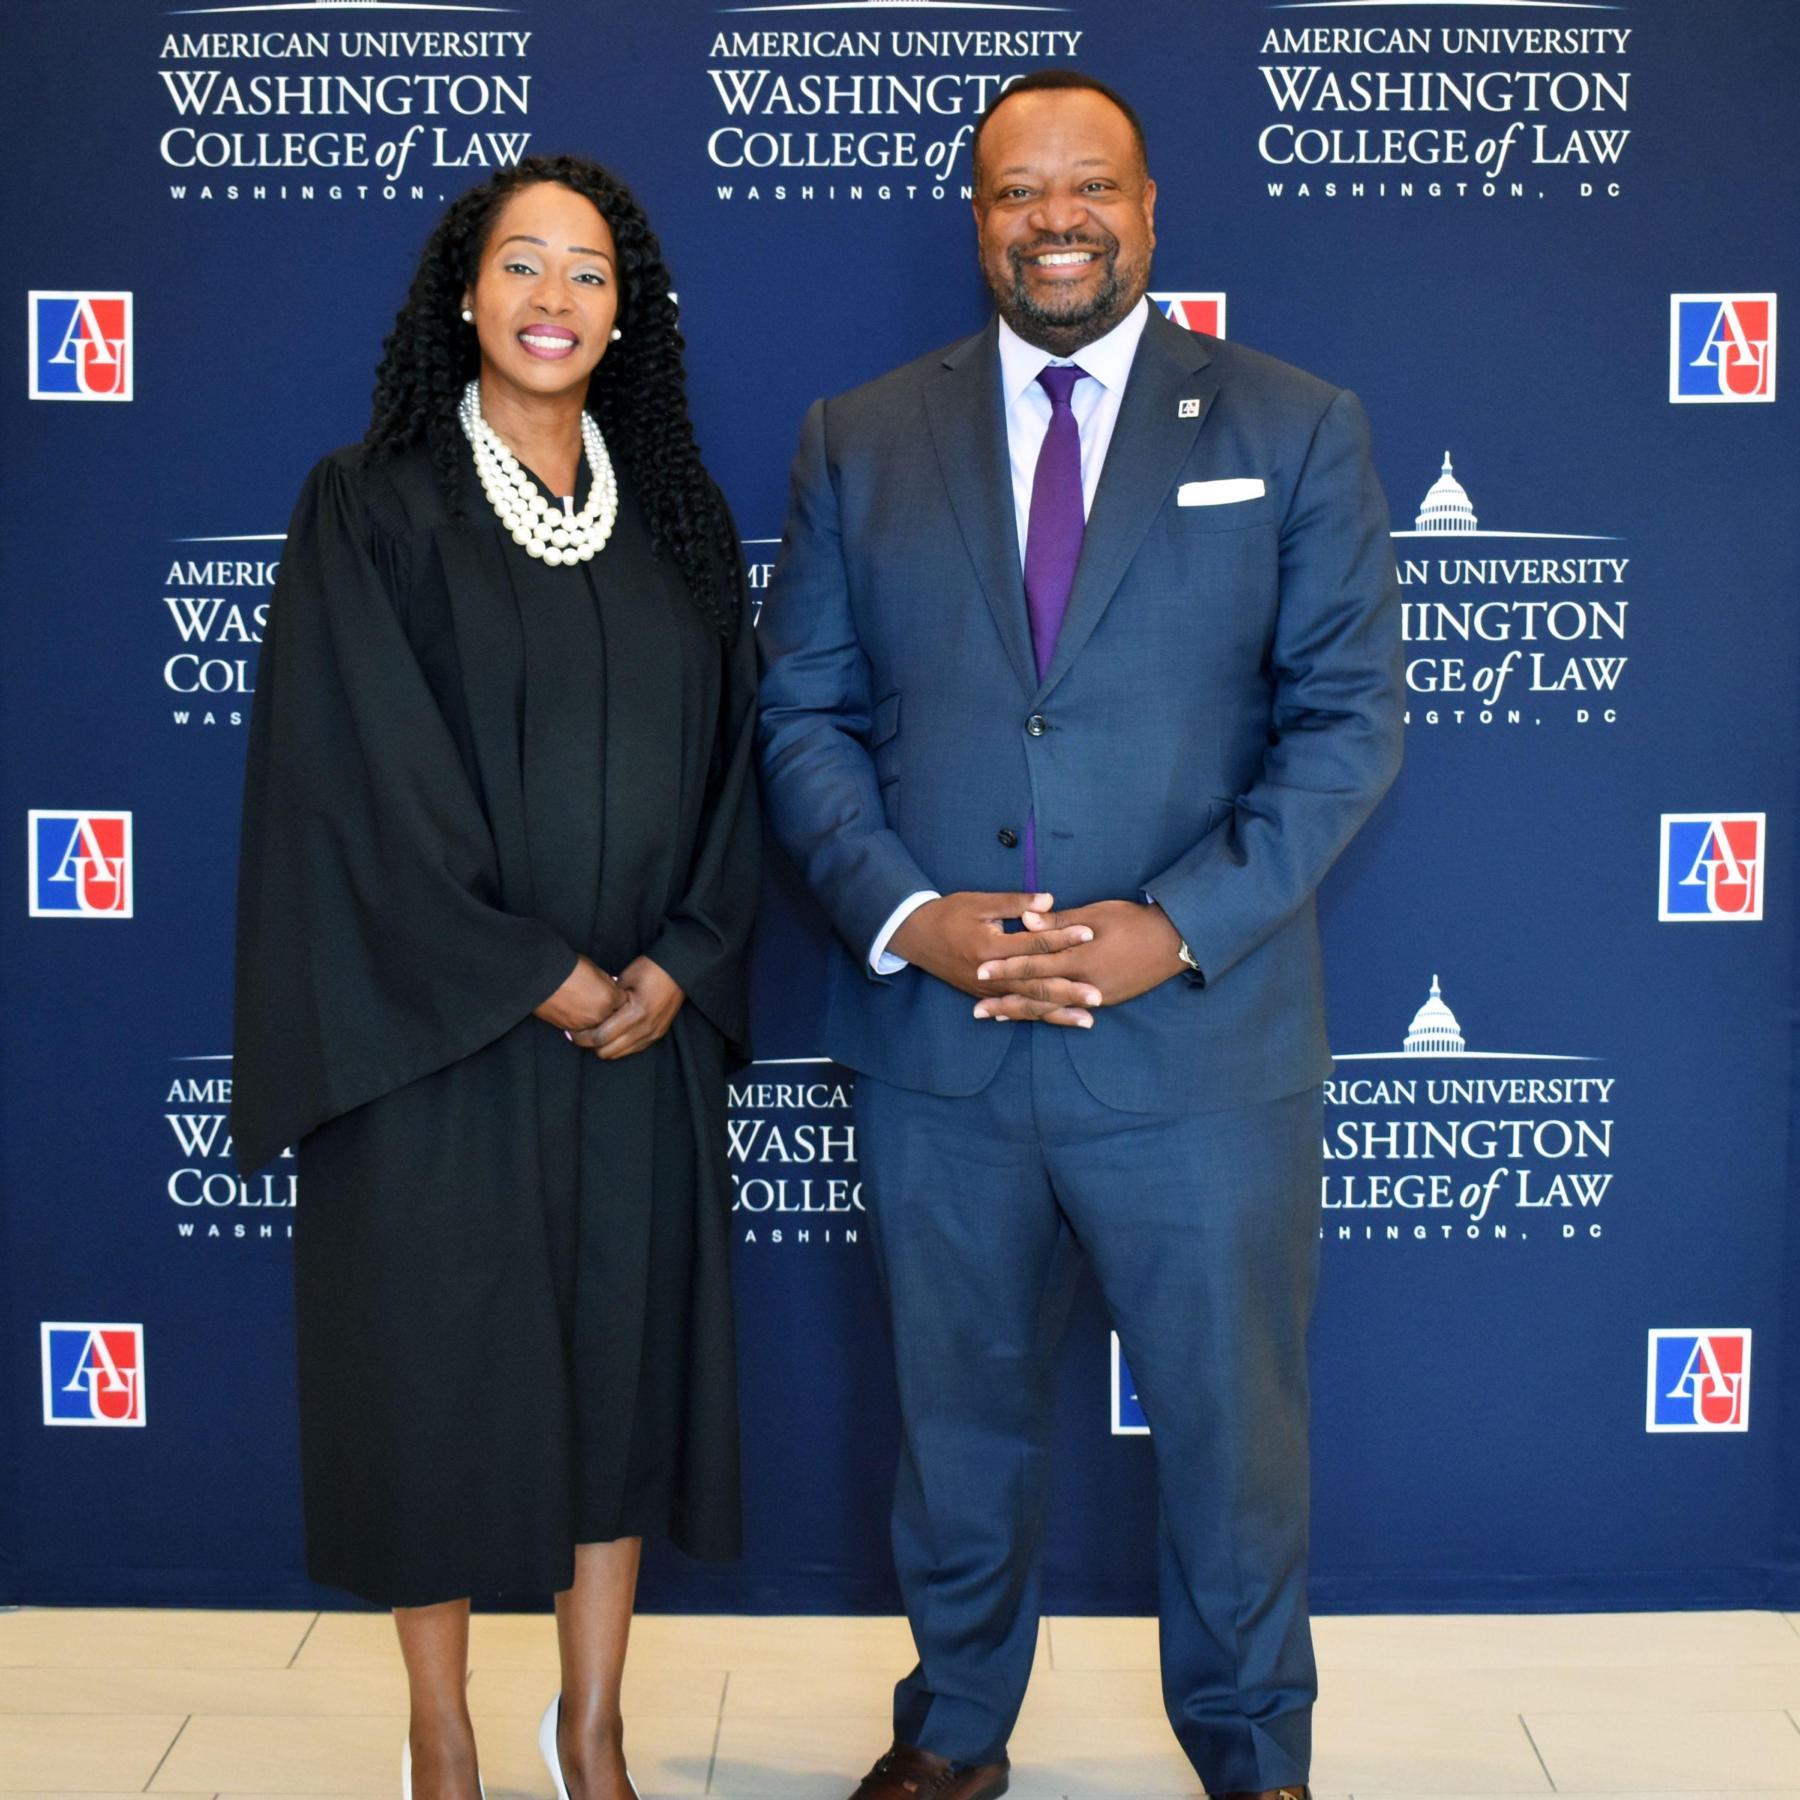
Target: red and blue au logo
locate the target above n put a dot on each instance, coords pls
(80, 865)
(1194, 312)
(1712, 866)
(93, 1374)
(1128, 1417)
(80, 346)
(1721, 348)
(1699, 1381)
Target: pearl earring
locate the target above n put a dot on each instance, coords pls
(616, 334)
(468, 317)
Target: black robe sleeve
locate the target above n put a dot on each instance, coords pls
(704, 945)
(371, 950)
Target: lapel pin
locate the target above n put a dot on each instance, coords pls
(1187, 409)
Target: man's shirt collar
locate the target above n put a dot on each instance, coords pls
(1107, 359)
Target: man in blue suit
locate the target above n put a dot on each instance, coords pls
(1082, 665)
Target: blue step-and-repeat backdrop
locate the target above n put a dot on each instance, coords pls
(1550, 243)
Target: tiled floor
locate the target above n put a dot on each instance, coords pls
(239, 1704)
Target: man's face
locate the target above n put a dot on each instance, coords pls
(1065, 215)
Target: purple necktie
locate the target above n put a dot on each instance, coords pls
(1052, 539)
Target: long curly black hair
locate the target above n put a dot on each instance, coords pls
(638, 394)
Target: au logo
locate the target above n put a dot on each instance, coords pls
(1194, 311)
(80, 865)
(1128, 1418)
(80, 346)
(93, 1374)
(1712, 867)
(1699, 1381)
(1721, 348)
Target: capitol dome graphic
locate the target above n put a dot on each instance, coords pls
(1447, 506)
(1434, 1030)
(1447, 511)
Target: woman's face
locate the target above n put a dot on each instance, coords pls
(546, 291)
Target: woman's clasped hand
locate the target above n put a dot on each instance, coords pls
(614, 1018)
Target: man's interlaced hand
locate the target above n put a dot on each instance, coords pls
(1113, 951)
(951, 937)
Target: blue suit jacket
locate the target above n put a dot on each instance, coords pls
(1222, 713)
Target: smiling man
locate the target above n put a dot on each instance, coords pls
(1081, 666)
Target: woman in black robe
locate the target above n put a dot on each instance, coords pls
(498, 870)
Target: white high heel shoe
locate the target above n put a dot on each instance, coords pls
(552, 1761)
(406, 1773)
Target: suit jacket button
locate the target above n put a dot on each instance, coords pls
(1037, 725)
(1009, 837)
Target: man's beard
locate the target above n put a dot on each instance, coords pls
(1064, 330)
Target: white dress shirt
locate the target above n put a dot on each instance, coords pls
(1095, 403)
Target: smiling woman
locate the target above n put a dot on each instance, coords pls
(499, 863)
(636, 392)
(543, 303)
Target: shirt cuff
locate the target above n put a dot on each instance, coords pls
(881, 959)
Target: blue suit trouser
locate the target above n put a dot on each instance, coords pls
(1202, 1228)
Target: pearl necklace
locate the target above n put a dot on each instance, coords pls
(535, 524)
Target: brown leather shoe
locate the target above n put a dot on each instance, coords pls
(906, 1773)
(1286, 1793)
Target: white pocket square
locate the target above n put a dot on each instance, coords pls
(1220, 493)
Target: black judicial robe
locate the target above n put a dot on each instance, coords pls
(511, 1259)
